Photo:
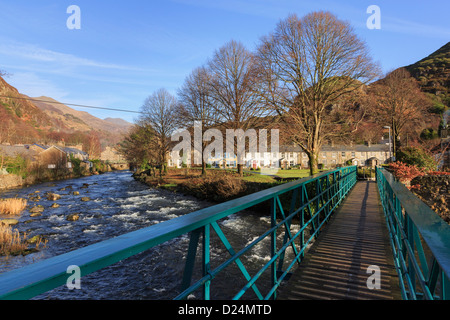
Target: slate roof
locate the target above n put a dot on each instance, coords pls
(12, 151)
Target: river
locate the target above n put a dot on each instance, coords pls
(118, 205)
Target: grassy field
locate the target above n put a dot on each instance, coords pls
(249, 175)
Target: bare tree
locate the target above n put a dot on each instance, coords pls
(159, 112)
(232, 90)
(8, 132)
(398, 102)
(93, 146)
(306, 67)
(196, 106)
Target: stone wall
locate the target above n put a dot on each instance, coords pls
(8, 181)
(435, 192)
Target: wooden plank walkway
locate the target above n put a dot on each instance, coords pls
(335, 268)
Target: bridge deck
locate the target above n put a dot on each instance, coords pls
(336, 265)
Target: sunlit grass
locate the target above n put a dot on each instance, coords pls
(13, 206)
(11, 241)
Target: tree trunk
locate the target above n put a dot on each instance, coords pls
(313, 163)
(240, 170)
(203, 168)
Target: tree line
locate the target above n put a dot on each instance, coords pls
(312, 77)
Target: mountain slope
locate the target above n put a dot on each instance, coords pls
(20, 119)
(78, 120)
(433, 73)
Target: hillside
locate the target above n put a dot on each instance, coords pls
(79, 120)
(20, 119)
(433, 74)
(45, 120)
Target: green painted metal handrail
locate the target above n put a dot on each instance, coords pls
(311, 200)
(420, 240)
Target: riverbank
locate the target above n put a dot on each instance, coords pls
(12, 181)
(217, 186)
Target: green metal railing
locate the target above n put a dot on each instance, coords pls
(420, 240)
(309, 202)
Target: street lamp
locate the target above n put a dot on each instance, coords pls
(390, 143)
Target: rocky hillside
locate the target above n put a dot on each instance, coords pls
(20, 116)
(433, 74)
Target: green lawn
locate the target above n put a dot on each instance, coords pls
(293, 173)
(256, 177)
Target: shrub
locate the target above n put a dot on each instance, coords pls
(217, 187)
(404, 172)
(429, 134)
(76, 165)
(17, 165)
(416, 157)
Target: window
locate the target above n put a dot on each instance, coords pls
(333, 154)
(353, 154)
(343, 154)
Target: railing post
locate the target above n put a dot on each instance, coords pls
(273, 242)
(190, 259)
(410, 238)
(206, 261)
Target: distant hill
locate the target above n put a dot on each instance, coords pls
(119, 122)
(433, 74)
(79, 120)
(30, 120)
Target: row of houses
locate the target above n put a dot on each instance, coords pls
(330, 156)
(51, 157)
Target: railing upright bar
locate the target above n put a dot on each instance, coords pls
(206, 261)
(273, 242)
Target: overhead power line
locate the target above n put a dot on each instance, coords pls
(71, 104)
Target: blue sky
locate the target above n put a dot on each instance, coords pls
(126, 50)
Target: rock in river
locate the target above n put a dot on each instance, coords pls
(53, 196)
(37, 209)
(73, 217)
(9, 222)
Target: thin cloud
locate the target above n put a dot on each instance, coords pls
(414, 28)
(38, 54)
